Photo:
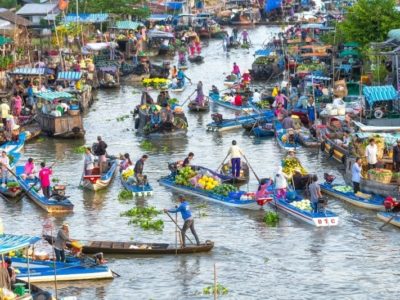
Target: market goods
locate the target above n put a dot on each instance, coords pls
(271, 218)
(184, 175)
(126, 174)
(155, 82)
(290, 164)
(309, 67)
(224, 189)
(380, 175)
(303, 204)
(343, 188)
(264, 60)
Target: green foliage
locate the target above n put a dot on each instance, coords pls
(8, 3)
(147, 145)
(369, 21)
(271, 218)
(210, 290)
(379, 73)
(79, 149)
(144, 217)
(125, 195)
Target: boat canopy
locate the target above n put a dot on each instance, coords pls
(86, 18)
(127, 25)
(152, 34)
(70, 75)
(159, 17)
(11, 242)
(29, 71)
(313, 77)
(50, 96)
(385, 129)
(5, 40)
(379, 93)
(100, 46)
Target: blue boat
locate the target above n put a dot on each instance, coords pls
(240, 122)
(169, 182)
(137, 190)
(12, 188)
(57, 203)
(318, 219)
(216, 98)
(96, 181)
(281, 135)
(367, 201)
(14, 146)
(265, 130)
(386, 216)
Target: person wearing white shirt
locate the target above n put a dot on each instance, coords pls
(256, 96)
(371, 153)
(236, 153)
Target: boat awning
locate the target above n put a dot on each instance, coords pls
(28, 71)
(349, 52)
(263, 52)
(99, 46)
(322, 78)
(11, 242)
(86, 18)
(73, 76)
(50, 96)
(127, 25)
(159, 17)
(367, 128)
(159, 34)
(5, 40)
(379, 93)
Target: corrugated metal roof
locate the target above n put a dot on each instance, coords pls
(69, 75)
(10, 242)
(127, 25)
(36, 9)
(13, 18)
(379, 93)
(86, 18)
(29, 71)
(49, 96)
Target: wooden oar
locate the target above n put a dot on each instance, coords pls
(178, 226)
(188, 98)
(222, 163)
(251, 168)
(388, 221)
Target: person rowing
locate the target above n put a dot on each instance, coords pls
(236, 153)
(181, 78)
(200, 95)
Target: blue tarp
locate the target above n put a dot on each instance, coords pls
(50, 96)
(86, 18)
(11, 242)
(379, 93)
(270, 5)
(305, 2)
(69, 75)
(263, 52)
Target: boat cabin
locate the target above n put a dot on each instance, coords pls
(59, 115)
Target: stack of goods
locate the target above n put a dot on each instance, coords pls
(264, 60)
(291, 164)
(305, 68)
(126, 174)
(156, 83)
(303, 204)
(224, 189)
(184, 175)
(380, 175)
(343, 188)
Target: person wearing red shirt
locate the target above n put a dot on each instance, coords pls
(44, 176)
(246, 78)
(238, 100)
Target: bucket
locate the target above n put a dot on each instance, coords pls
(19, 289)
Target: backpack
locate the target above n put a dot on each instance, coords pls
(95, 149)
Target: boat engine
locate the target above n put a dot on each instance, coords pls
(58, 192)
(329, 178)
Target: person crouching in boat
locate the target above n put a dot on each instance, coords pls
(236, 153)
(88, 161)
(44, 176)
(29, 169)
(139, 166)
(155, 118)
(280, 183)
(61, 242)
(181, 78)
(125, 163)
(5, 166)
(167, 115)
(200, 94)
(390, 203)
(187, 217)
(236, 70)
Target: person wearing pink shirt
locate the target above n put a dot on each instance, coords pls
(17, 104)
(236, 70)
(44, 176)
(280, 99)
(29, 169)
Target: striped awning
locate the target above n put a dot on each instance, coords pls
(69, 76)
(311, 77)
(50, 96)
(127, 25)
(86, 18)
(29, 71)
(379, 93)
(11, 242)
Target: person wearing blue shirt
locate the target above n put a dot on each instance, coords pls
(356, 175)
(187, 217)
(155, 119)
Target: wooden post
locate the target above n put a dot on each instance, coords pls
(215, 282)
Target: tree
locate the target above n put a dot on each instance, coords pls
(369, 21)
(8, 3)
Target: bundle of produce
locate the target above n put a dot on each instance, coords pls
(223, 189)
(343, 188)
(128, 173)
(207, 182)
(304, 204)
(291, 164)
(263, 104)
(155, 82)
(380, 175)
(184, 176)
(231, 78)
(310, 67)
(264, 60)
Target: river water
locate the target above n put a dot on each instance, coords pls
(291, 261)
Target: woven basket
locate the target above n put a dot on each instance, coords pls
(385, 179)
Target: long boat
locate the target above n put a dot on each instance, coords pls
(14, 146)
(286, 145)
(244, 177)
(169, 182)
(195, 107)
(137, 190)
(333, 150)
(55, 204)
(386, 216)
(367, 128)
(319, 219)
(239, 122)
(367, 201)
(137, 248)
(263, 130)
(216, 98)
(96, 181)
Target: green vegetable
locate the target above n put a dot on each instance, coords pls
(271, 218)
(220, 289)
(147, 146)
(125, 195)
(224, 189)
(55, 180)
(79, 150)
(12, 184)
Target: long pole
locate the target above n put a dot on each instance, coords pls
(176, 223)
(251, 168)
(215, 282)
(176, 235)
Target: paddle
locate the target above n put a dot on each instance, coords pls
(178, 226)
(188, 98)
(251, 168)
(222, 163)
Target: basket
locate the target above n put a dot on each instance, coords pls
(73, 112)
(384, 178)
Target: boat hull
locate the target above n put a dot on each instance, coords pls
(96, 182)
(385, 217)
(137, 191)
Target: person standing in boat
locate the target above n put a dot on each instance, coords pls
(396, 157)
(4, 111)
(235, 33)
(315, 193)
(187, 217)
(200, 94)
(139, 166)
(61, 242)
(17, 104)
(356, 170)
(44, 177)
(101, 152)
(88, 161)
(236, 70)
(280, 183)
(245, 37)
(5, 166)
(188, 159)
(371, 153)
(236, 153)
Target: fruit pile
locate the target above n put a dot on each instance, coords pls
(224, 189)
(184, 175)
(303, 204)
(207, 182)
(126, 174)
(290, 164)
(343, 188)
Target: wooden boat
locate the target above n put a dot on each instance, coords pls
(137, 190)
(98, 181)
(57, 203)
(108, 75)
(306, 139)
(386, 216)
(73, 269)
(11, 190)
(218, 100)
(238, 122)
(195, 107)
(244, 172)
(54, 121)
(264, 130)
(319, 219)
(367, 201)
(286, 145)
(137, 248)
(178, 89)
(169, 182)
(14, 146)
(334, 151)
(196, 59)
